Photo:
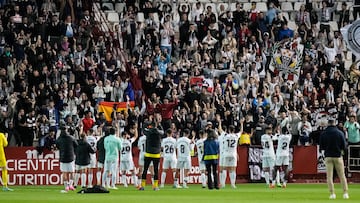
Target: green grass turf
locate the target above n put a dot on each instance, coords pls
(304, 193)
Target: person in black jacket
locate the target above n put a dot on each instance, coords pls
(332, 141)
(153, 132)
(211, 155)
(66, 144)
(82, 152)
(101, 159)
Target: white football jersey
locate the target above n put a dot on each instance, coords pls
(169, 145)
(283, 145)
(126, 152)
(92, 140)
(183, 146)
(142, 144)
(221, 143)
(267, 145)
(230, 142)
(200, 148)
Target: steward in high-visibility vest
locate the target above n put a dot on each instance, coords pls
(211, 155)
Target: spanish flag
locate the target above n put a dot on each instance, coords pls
(107, 108)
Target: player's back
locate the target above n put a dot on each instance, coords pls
(183, 148)
(267, 145)
(142, 144)
(126, 152)
(112, 145)
(221, 142)
(92, 140)
(230, 142)
(200, 148)
(169, 145)
(283, 145)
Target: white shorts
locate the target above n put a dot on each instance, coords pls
(100, 165)
(141, 159)
(169, 163)
(92, 161)
(230, 162)
(202, 166)
(78, 167)
(221, 160)
(111, 166)
(67, 167)
(184, 164)
(268, 162)
(126, 165)
(282, 161)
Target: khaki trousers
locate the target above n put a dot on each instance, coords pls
(338, 164)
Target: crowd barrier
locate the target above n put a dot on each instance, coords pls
(26, 167)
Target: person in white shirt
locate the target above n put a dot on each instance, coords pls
(282, 154)
(304, 128)
(92, 140)
(184, 147)
(126, 159)
(268, 155)
(230, 142)
(222, 176)
(200, 154)
(168, 146)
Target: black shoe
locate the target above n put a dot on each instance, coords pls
(211, 188)
(217, 188)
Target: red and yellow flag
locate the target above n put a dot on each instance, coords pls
(107, 108)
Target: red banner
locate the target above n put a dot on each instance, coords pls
(26, 167)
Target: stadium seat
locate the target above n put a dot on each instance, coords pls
(292, 25)
(113, 17)
(140, 17)
(261, 6)
(243, 1)
(225, 5)
(286, 15)
(297, 6)
(119, 7)
(334, 25)
(287, 6)
(247, 6)
(232, 6)
(107, 6)
(213, 7)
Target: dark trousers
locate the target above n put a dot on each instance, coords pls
(211, 168)
(147, 161)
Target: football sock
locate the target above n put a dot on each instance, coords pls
(203, 179)
(83, 179)
(278, 177)
(134, 179)
(156, 184)
(77, 177)
(123, 180)
(176, 183)
(143, 183)
(71, 182)
(98, 177)
(224, 177)
(267, 177)
(163, 177)
(65, 184)
(90, 178)
(185, 181)
(152, 179)
(104, 178)
(4, 177)
(113, 179)
(232, 177)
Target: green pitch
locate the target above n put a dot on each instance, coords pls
(304, 193)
